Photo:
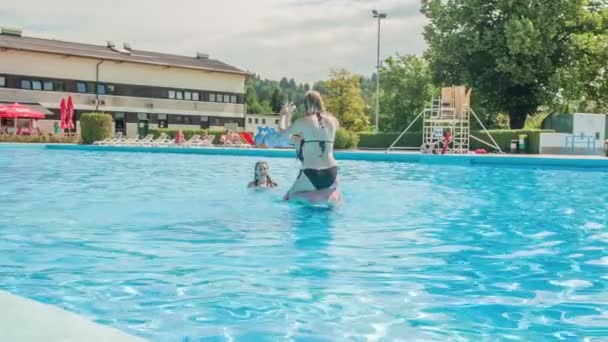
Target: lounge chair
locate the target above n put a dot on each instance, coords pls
(148, 138)
(162, 140)
(192, 141)
(110, 141)
(128, 141)
(206, 141)
(236, 141)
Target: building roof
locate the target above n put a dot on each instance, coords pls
(201, 62)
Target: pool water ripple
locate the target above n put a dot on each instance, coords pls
(175, 248)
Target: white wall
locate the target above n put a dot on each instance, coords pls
(590, 124)
(271, 122)
(555, 143)
(79, 68)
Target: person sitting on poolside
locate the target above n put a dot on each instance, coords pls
(261, 177)
(206, 138)
(316, 131)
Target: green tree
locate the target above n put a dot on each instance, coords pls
(407, 87)
(515, 52)
(276, 101)
(344, 100)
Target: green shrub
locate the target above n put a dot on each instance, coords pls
(95, 127)
(39, 139)
(414, 139)
(188, 133)
(346, 139)
(535, 121)
(384, 140)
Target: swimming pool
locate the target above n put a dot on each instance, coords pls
(173, 247)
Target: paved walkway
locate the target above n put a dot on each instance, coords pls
(24, 320)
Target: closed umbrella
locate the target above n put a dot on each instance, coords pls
(2, 107)
(62, 114)
(70, 108)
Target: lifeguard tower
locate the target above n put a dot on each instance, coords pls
(447, 122)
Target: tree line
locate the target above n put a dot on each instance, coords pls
(520, 57)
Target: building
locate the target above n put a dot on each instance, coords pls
(254, 121)
(141, 89)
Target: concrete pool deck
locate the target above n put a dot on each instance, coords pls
(24, 320)
(508, 160)
(523, 160)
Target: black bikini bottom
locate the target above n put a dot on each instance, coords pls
(321, 179)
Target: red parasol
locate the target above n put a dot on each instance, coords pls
(17, 110)
(70, 118)
(62, 113)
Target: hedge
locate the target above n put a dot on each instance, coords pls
(45, 139)
(95, 127)
(414, 139)
(188, 133)
(346, 139)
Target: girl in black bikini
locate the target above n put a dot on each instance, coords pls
(316, 132)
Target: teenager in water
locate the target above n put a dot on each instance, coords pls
(315, 131)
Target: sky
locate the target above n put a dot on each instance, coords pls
(303, 39)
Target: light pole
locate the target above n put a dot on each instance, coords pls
(380, 16)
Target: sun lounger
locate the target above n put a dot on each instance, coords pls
(110, 141)
(162, 140)
(148, 138)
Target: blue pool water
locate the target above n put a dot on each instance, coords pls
(175, 248)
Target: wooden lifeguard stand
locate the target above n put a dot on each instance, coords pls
(450, 111)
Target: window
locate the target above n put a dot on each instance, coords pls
(81, 87)
(233, 99)
(276, 122)
(256, 121)
(179, 119)
(195, 96)
(180, 95)
(58, 86)
(187, 120)
(110, 89)
(226, 99)
(187, 95)
(48, 85)
(2, 81)
(263, 121)
(26, 84)
(36, 85)
(101, 89)
(162, 121)
(211, 97)
(91, 88)
(249, 120)
(171, 94)
(204, 122)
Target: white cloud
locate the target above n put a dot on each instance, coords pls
(303, 39)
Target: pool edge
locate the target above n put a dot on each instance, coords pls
(581, 162)
(24, 320)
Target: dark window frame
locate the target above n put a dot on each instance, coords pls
(118, 89)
